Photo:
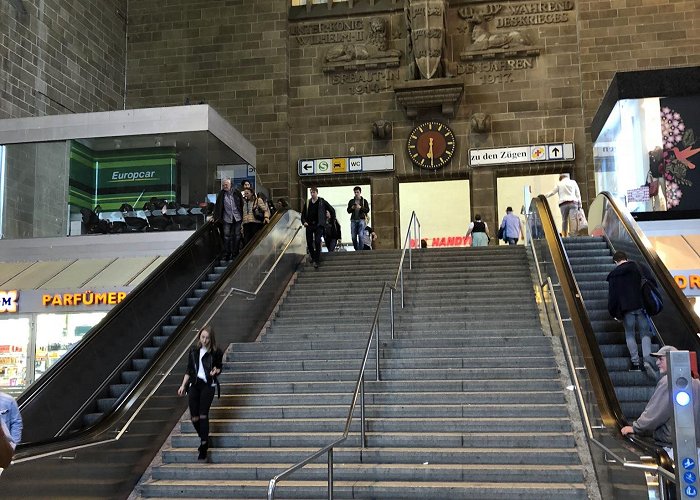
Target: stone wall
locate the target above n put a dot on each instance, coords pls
(629, 35)
(231, 55)
(62, 57)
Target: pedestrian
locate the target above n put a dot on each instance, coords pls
(312, 217)
(255, 214)
(368, 238)
(358, 208)
(204, 363)
(625, 303)
(331, 231)
(655, 420)
(511, 227)
(228, 212)
(10, 429)
(569, 200)
(479, 231)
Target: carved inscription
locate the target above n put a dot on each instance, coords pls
(365, 82)
(498, 71)
(348, 31)
(532, 14)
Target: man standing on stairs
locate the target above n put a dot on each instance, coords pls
(358, 208)
(569, 199)
(625, 304)
(313, 216)
(656, 418)
(228, 212)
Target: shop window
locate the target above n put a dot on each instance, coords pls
(14, 345)
(56, 334)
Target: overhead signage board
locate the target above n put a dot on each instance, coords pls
(346, 165)
(522, 154)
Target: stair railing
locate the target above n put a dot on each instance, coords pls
(413, 229)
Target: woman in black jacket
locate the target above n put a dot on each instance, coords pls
(203, 368)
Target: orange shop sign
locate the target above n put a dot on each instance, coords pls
(9, 300)
(687, 281)
(87, 298)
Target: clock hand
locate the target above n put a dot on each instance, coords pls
(430, 150)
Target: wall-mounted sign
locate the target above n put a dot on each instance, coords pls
(522, 154)
(87, 298)
(688, 281)
(8, 301)
(346, 165)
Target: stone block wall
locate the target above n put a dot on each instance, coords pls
(229, 54)
(62, 57)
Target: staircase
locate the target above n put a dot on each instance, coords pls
(470, 404)
(591, 261)
(136, 366)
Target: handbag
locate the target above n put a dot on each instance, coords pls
(258, 212)
(581, 222)
(651, 298)
(501, 233)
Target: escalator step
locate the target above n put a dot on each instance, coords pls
(149, 352)
(116, 390)
(199, 293)
(168, 330)
(140, 364)
(128, 377)
(207, 284)
(91, 418)
(176, 320)
(105, 404)
(184, 310)
(192, 301)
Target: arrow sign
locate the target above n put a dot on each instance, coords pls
(555, 151)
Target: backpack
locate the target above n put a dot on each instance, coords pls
(651, 298)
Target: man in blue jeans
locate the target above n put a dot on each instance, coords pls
(358, 208)
(625, 304)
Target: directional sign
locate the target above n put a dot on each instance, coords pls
(345, 165)
(522, 154)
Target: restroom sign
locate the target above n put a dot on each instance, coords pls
(535, 153)
(346, 165)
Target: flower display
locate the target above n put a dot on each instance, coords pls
(678, 142)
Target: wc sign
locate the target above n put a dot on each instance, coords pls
(8, 301)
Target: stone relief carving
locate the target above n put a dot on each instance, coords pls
(381, 129)
(371, 55)
(480, 123)
(485, 43)
(426, 38)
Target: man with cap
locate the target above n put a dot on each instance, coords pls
(569, 199)
(655, 420)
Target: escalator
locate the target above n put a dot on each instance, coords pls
(95, 420)
(611, 396)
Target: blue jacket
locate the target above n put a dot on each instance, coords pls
(10, 417)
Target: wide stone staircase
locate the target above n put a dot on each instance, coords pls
(470, 402)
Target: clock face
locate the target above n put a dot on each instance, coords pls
(431, 145)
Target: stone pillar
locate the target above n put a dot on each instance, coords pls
(384, 212)
(484, 201)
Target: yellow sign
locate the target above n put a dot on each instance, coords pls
(689, 281)
(340, 165)
(8, 301)
(87, 298)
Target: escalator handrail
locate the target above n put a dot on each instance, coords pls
(608, 404)
(660, 271)
(85, 437)
(33, 390)
(604, 389)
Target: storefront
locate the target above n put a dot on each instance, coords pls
(38, 327)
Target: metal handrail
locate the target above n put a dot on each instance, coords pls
(118, 433)
(360, 382)
(577, 385)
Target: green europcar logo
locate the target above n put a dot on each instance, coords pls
(133, 176)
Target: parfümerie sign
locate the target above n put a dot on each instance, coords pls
(535, 153)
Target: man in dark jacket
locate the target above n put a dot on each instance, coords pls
(313, 216)
(358, 208)
(228, 212)
(625, 304)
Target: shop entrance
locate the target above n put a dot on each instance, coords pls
(442, 208)
(513, 192)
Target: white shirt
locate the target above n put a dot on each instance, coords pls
(200, 372)
(567, 189)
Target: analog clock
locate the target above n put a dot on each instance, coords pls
(431, 145)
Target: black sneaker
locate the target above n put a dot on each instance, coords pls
(635, 367)
(203, 451)
(315, 265)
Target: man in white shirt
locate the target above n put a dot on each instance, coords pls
(569, 199)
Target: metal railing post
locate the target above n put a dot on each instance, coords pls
(391, 305)
(402, 302)
(362, 413)
(330, 474)
(376, 339)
